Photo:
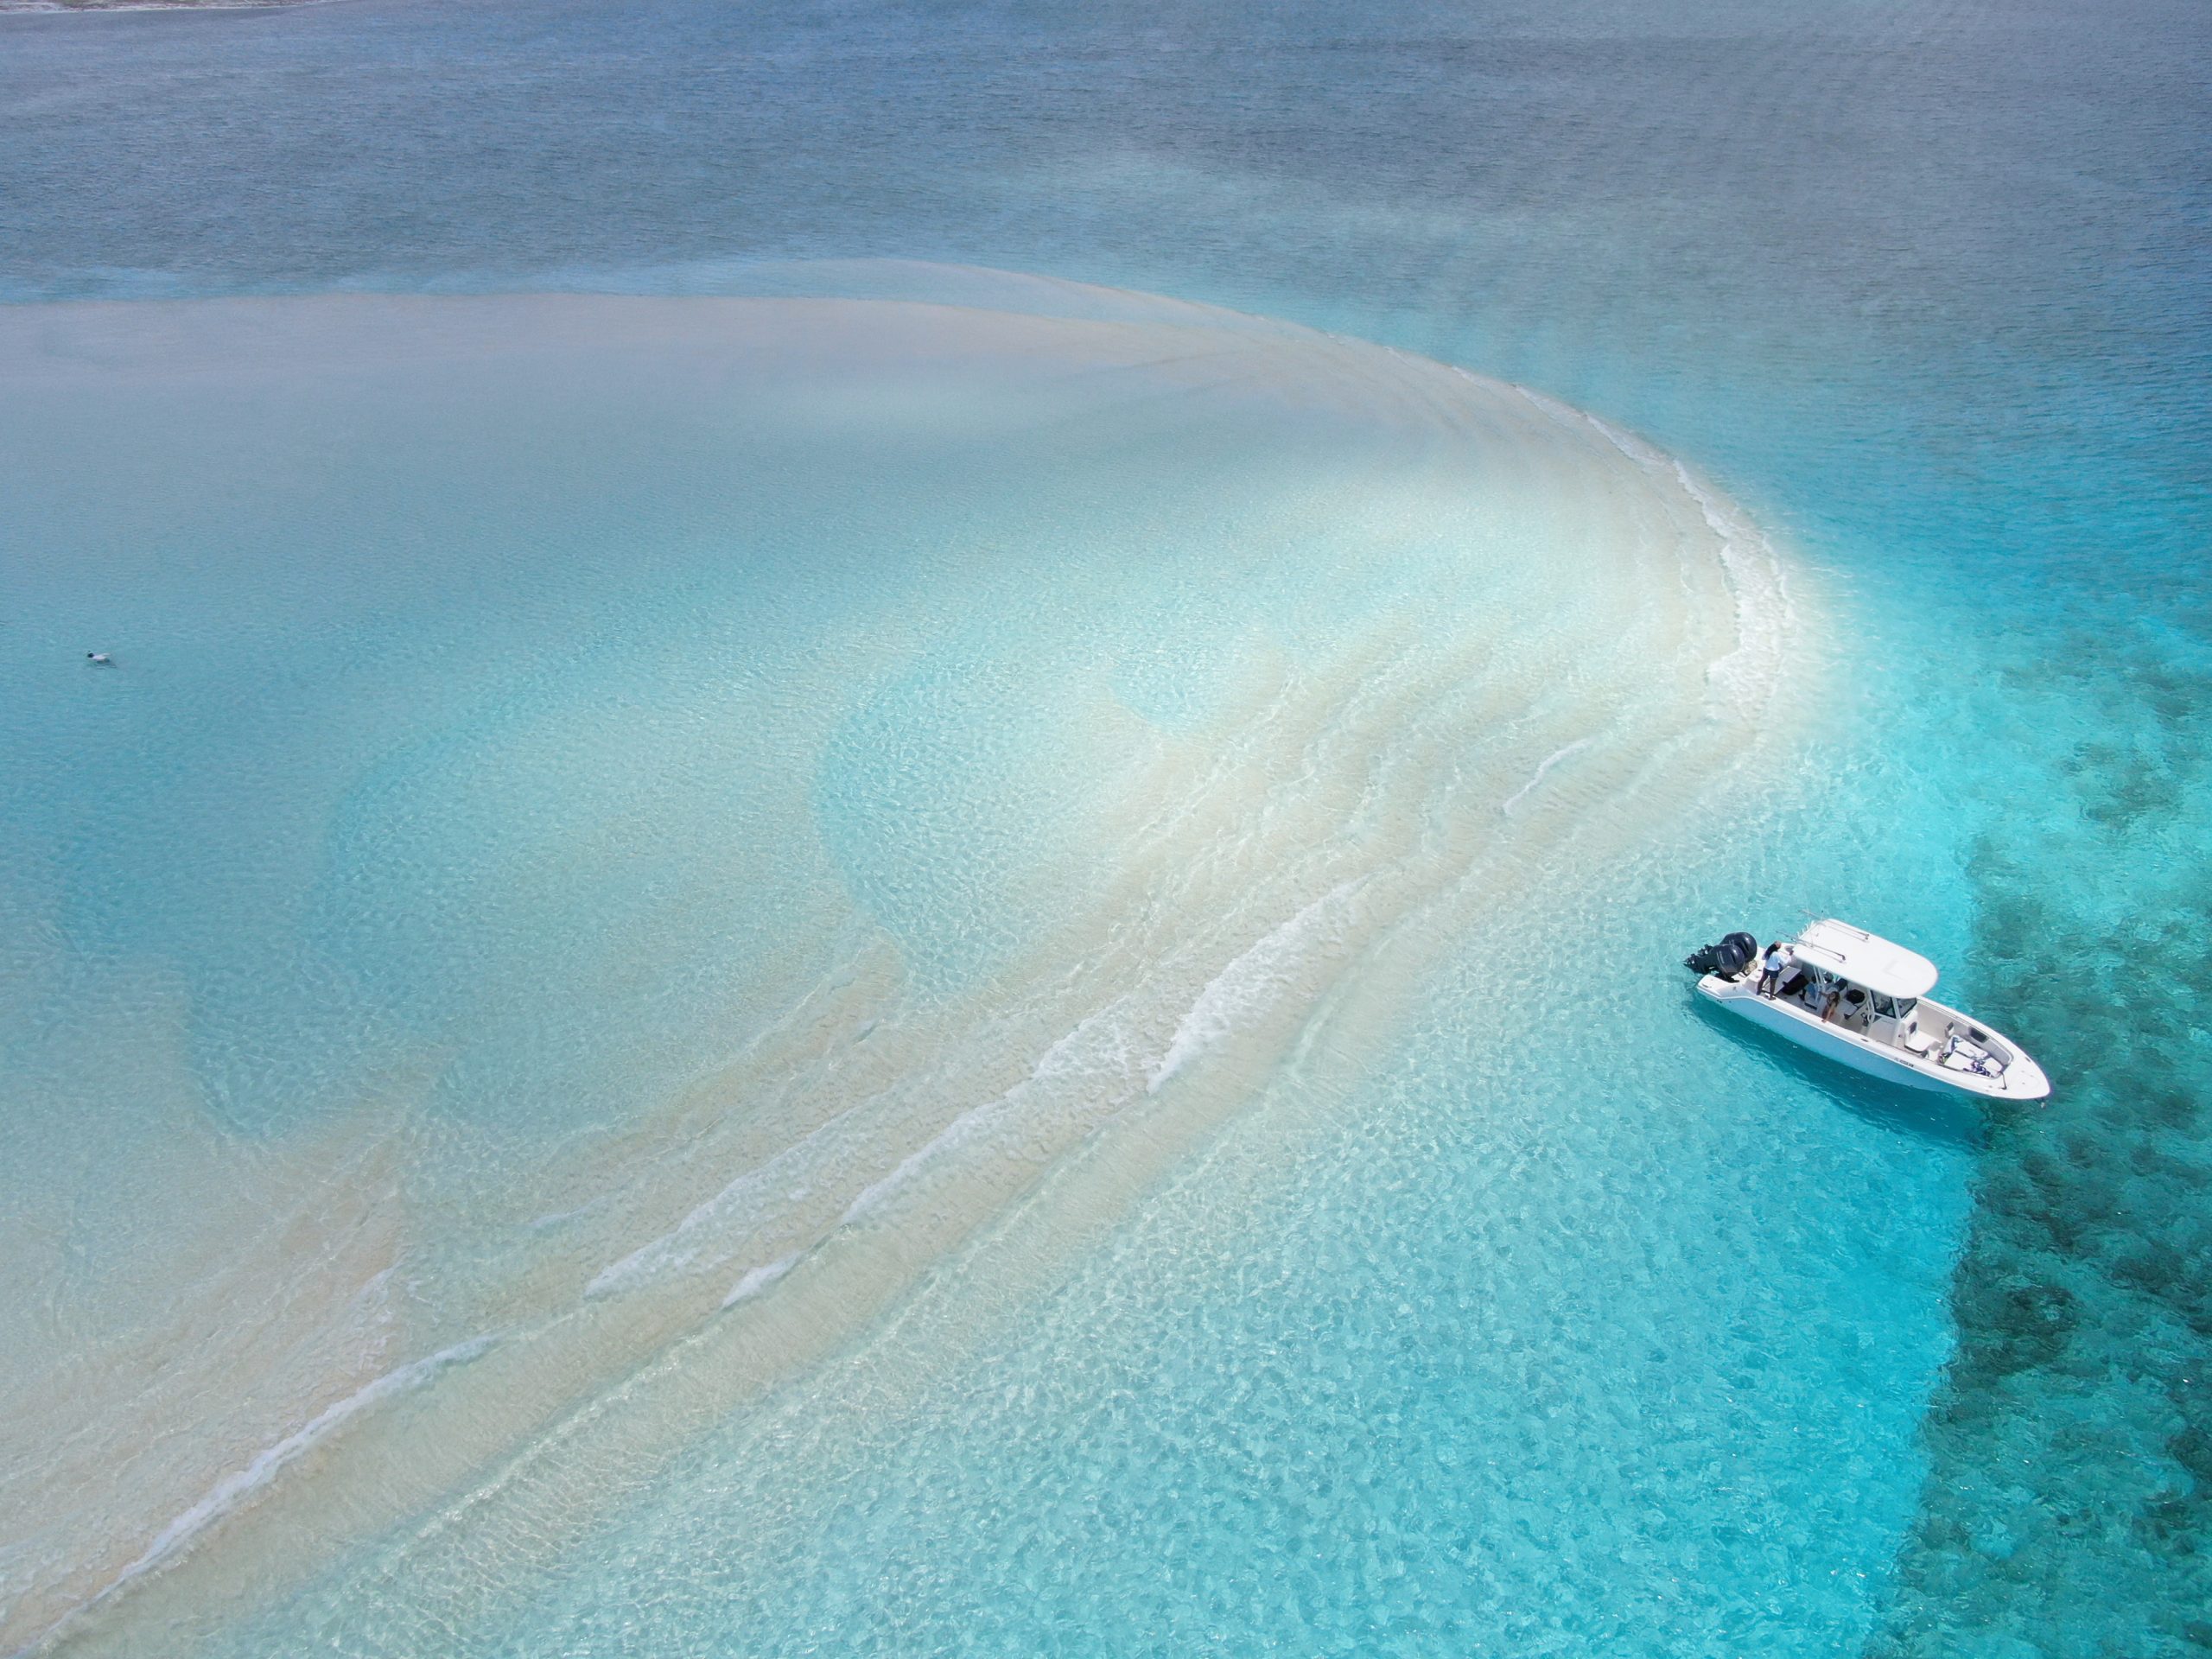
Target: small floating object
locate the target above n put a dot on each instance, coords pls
(100, 659)
(1842, 992)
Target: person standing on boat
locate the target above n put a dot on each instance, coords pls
(1776, 964)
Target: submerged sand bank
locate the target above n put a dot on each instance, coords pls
(1065, 708)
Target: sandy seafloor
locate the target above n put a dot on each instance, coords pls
(889, 843)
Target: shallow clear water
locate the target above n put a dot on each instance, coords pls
(806, 971)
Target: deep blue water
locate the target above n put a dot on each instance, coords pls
(1666, 1344)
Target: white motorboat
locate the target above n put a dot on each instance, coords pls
(1861, 999)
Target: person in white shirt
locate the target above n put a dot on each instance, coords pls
(1778, 958)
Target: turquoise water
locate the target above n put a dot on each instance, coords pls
(803, 948)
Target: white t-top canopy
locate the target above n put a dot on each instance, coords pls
(1885, 968)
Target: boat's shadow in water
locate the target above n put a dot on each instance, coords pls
(1950, 1121)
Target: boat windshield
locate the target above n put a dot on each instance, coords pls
(1894, 1007)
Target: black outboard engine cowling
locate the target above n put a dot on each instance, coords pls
(1728, 958)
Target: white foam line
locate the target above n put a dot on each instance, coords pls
(1260, 973)
(1562, 414)
(1766, 613)
(961, 1128)
(1764, 610)
(758, 1278)
(693, 1239)
(1645, 457)
(228, 1493)
(1652, 461)
(1543, 766)
(1097, 1047)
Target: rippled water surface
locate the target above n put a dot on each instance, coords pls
(889, 845)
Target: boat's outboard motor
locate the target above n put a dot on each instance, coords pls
(1728, 958)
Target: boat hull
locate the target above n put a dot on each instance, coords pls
(2022, 1079)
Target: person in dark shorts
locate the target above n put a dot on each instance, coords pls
(1771, 969)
